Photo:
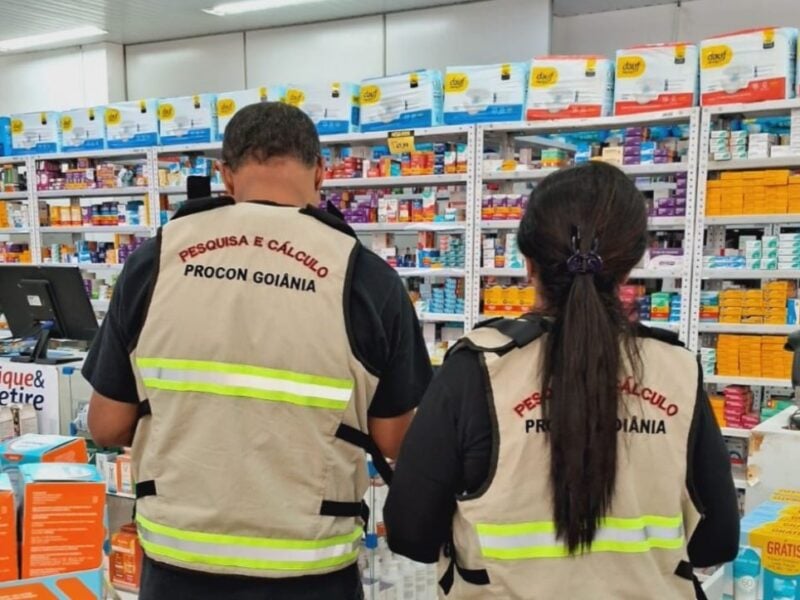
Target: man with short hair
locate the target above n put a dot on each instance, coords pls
(252, 352)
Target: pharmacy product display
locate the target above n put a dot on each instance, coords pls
(570, 87)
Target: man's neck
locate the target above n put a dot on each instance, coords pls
(276, 194)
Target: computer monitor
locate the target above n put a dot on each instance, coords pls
(44, 302)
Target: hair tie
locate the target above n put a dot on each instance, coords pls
(583, 263)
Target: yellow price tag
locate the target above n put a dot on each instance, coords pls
(401, 142)
(113, 117)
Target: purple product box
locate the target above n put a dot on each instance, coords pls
(660, 160)
(682, 177)
(631, 131)
(348, 215)
(665, 202)
(680, 211)
(487, 202)
(630, 160)
(665, 211)
(632, 151)
(680, 203)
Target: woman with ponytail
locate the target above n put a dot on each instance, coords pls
(571, 453)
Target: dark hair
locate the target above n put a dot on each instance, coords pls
(267, 130)
(592, 207)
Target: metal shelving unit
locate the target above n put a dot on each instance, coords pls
(507, 135)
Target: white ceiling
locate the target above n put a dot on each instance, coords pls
(133, 21)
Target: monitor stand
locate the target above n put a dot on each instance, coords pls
(39, 353)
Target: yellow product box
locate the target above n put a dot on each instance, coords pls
(753, 320)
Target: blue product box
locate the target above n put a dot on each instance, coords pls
(188, 120)
(83, 129)
(405, 101)
(132, 124)
(5, 136)
(334, 107)
(485, 93)
(35, 133)
(229, 103)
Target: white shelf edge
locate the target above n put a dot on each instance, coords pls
(15, 230)
(750, 273)
(13, 196)
(509, 224)
(502, 272)
(175, 190)
(740, 483)
(752, 220)
(93, 192)
(381, 136)
(755, 381)
(656, 273)
(655, 223)
(396, 182)
(773, 162)
(669, 325)
(631, 170)
(419, 272)
(735, 432)
(611, 122)
(120, 229)
(763, 329)
(409, 227)
(427, 317)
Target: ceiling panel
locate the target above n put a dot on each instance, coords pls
(132, 21)
(569, 8)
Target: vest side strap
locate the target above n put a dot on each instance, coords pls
(358, 438)
(144, 408)
(472, 576)
(145, 488)
(332, 508)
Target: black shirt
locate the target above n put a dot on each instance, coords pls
(387, 339)
(448, 448)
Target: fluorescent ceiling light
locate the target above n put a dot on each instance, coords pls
(55, 37)
(237, 8)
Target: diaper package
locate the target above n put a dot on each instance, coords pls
(656, 77)
(229, 103)
(564, 87)
(485, 93)
(132, 124)
(83, 129)
(35, 133)
(334, 107)
(188, 119)
(408, 100)
(748, 66)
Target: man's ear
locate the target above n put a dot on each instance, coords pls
(227, 179)
(319, 174)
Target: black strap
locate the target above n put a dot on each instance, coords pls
(332, 508)
(351, 435)
(522, 331)
(144, 408)
(473, 576)
(145, 488)
(684, 570)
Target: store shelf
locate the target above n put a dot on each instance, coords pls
(772, 107)
(499, 272)
(666, 223)
(746, 328)
(410, 227)
(593, 123)
(751, 273)
(184, 148)
(13, 195)
(14, 230)
(417, 272)
(12, 160)
(668, 325)
(757, 381)
(740, 483)
(93, 192)
(632, 170)
(396, 182)
(99, 304)
(754, 163)
(381, 136)
(141, 153)
(511, 224)
(735, 432)
(529, 175)
(427, 317)
(656, 186)
(752, 220)
(94, 267)
(175, 190)
(117, 229)
(655, 273)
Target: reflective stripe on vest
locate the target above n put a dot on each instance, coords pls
(245, 381)
(247, 552)
(538, 539)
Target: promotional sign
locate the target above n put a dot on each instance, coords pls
(34, 385)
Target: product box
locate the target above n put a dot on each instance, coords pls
(748, 66)
(83, 585)
(35, 448)
(83, 129)
(562, 87)
(132, 124)
(5, 136)
(188, 119)
(229, 103)
(768, 564)
(125, 562)
(63, 518)
(485, 93)
(406, 101)
(9, 569)
(656, 77)
(334, 107)
(35, 133)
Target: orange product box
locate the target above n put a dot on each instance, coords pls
(83, 585)
(63, 516)
(125, 562)
(9, 569)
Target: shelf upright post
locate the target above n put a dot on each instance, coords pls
(472, 232)
(33, 211)
(153, 189)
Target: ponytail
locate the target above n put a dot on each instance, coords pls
(591, 339)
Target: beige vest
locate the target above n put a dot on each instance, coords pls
(247, 367)
(507, 528)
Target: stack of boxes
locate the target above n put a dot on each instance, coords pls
(659, 306)
(503, 207)
(451, 254)
(554, 158)
(13, 216)
(753, 193)
(742, 145)
(728, 145)
(637, 148)
(708, 360)
(753, 356)
(502, 251)
(737, 408)
(509, 300)
(669, 202)
(446, 298)
(377, 208)
(788, 251)
(768, 305)
(175, 170)
(116, 252)
(14, 253)
(761, 254)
